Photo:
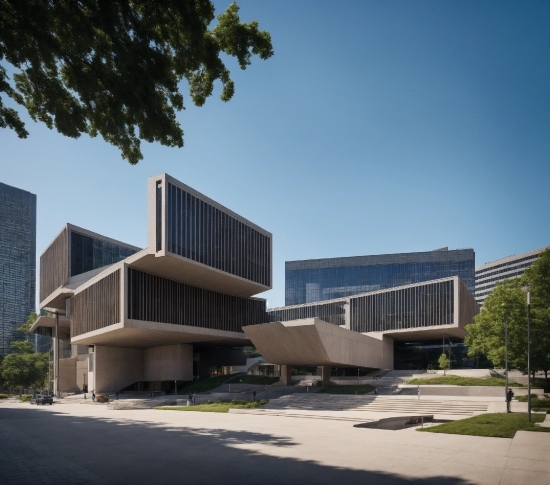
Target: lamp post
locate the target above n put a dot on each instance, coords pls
(506, 359)
(527, 289)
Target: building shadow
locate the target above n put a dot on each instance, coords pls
(38, 446)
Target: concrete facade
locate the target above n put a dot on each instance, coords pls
(184, 303)
(315, 342)
(168, 363)
(116, 367)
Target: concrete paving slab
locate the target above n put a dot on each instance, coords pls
(529, 452)
(525, 464)
(512, 476)
(532, 438)
(93, 443)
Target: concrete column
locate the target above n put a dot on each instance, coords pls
(325, 374)
(56, 357)
(286, 375)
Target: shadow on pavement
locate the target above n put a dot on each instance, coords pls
(53, 447)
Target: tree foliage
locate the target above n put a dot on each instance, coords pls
(114, 68)
(487, 334)
(444, 363)
(24, 368)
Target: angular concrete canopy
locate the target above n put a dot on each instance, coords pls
(314, 342)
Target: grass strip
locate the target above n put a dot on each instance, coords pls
(464, 381)
(494, 425)
(218, 407)
(206, 384)
(360, 389)
(258, 380)
(536, 403)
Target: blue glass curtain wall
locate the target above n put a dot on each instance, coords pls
(318, 281)
(17, 262)
(88, 253)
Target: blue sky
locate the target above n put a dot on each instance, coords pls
(377, 127)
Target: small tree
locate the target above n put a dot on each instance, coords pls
(444, 363)
(24, 368)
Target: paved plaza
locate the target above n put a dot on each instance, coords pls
(89, 443)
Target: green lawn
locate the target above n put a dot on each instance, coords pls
(204, 384)
(495, 425)
(258, 380)
(208, 383)
(464, 381)
(218, 407)
(536, 403)
(360, 389)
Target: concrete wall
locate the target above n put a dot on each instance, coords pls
(82, 371)
(477, 391)
(67, 374)
(168, 363)
(116, 368)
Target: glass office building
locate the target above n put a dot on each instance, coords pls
(17, 262)
(490, 274)
(313, 280)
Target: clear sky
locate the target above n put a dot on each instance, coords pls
(377, 127)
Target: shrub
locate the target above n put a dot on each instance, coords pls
(4, 396)
(210, 401)
(25, 397)
(102, 398)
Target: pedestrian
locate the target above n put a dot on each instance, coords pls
(254, 395)
(376, 392)
(194, 402)
(93, 395)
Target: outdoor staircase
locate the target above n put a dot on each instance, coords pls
(378, 404)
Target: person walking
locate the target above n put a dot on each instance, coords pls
(194, 402)
(93, 395)
(254, 395)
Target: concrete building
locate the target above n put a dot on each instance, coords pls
(184, 306)
(17, 262)
(314, 280)
(489, 274)
(136, 318)
(363, 330)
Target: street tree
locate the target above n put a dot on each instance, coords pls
(538, 278)
(115, 68)
(444, 363)
(24, 368)
(486, 335)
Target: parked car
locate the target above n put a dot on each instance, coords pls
(41, 399)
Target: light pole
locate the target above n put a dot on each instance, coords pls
(527, 289)
(506, 359)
